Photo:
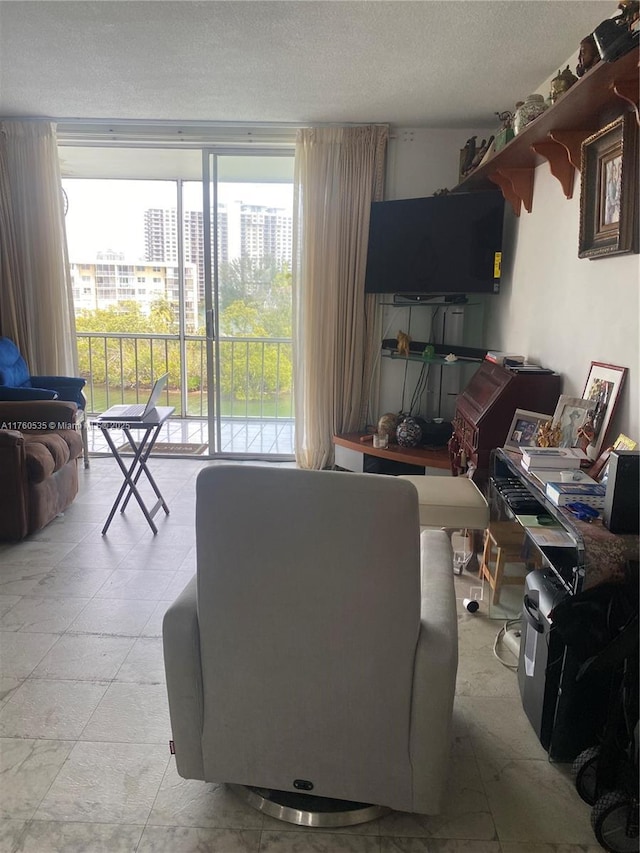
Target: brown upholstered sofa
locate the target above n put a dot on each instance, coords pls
(39, 449)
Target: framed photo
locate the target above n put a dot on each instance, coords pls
(572, 416)
(608, 198)
(600, 469)
(623, 442)
(602, 389)
(524, 428)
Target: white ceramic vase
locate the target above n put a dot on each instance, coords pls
(533, 106)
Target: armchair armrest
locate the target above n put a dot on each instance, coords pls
(436, 665)
(181, 641)
(8, 392)
(40, 413)
(67, 387)
(52, 381)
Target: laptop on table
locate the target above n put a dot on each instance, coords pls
(137, 411)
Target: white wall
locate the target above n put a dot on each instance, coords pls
(563, 311)
(553, 307)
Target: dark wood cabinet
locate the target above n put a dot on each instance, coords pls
(486, 407)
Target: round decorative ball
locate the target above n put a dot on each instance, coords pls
(409, 433)
(387, 425)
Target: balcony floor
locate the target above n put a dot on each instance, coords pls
(251, 437)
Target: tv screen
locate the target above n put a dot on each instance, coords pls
(449, 244)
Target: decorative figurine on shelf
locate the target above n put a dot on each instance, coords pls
(588, 55)
(630, 16)
(505, 134)
(548, 435)
(403, 343)
(466, 155)
(387, 425)
(562, 83)
(472, 155)
(409, 432)
(481, 153)
(428, 352)
(506, 117)
(616, 36)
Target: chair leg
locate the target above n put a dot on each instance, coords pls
(85, 441)
(484, 570)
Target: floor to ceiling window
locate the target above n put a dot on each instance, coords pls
(180, 262)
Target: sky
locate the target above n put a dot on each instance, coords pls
(108, 215)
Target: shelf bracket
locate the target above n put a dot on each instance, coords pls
(571, 141)
(628, 91)
(507, 190)
(516, 186)
(559, 163)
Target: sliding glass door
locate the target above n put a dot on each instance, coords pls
(187, 268)
(248, 300)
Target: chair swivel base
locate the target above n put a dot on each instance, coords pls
(306, 809)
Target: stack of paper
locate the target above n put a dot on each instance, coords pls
(546, 531)
(553, 475)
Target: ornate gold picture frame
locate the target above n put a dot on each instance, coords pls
(608, 198)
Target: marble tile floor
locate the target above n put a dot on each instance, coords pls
(84, 725)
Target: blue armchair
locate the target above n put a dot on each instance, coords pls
(16, 383)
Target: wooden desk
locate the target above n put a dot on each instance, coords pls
(353, 447)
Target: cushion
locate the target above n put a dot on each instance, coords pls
(454, 502)
(13, 368)
(40, 462)
(73, 439)
(46, 454)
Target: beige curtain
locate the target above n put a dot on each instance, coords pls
(36, 303)
(339, 171)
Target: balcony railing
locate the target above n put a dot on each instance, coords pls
(255, 374)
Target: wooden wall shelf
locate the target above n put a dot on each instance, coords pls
(556, 136)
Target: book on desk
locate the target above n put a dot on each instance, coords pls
(591, 494)
(552, 457)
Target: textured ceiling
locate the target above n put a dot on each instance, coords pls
(419, 64)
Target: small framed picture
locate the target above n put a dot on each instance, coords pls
(524, 429)
(572, 416)
(602, 388)
(623, 442)
(600, 468)
(608, 192)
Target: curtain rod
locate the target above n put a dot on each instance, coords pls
(204, 124)
(181, 133)
(96, 131)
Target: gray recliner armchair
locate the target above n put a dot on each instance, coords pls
(315, 650)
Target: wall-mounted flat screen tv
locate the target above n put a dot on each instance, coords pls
(440, 245)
